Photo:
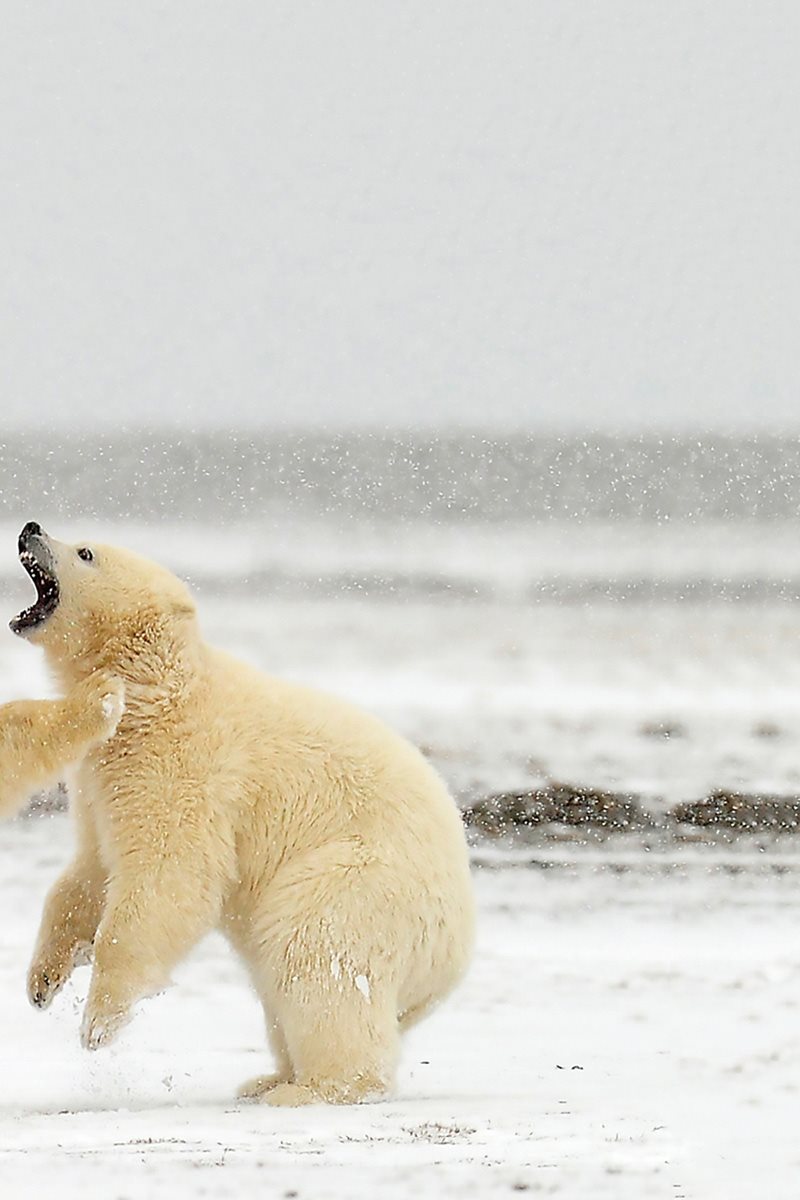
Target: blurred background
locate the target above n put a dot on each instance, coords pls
(449, 350)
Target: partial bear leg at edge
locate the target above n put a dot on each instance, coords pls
(257, 1088)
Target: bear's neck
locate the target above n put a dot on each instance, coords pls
(151, 660)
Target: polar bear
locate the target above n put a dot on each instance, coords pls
(321, 843)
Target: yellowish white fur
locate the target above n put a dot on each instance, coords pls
(320, 842)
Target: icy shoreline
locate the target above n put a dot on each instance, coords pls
(693, 705)
(569, 813)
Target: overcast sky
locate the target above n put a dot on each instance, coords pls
(546, 214)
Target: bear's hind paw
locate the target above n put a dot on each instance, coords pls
(294, 1095)
(257, 1088)
(291, 1095)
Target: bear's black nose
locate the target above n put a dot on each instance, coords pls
(32, 529)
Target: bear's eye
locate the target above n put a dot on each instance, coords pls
(86, 554)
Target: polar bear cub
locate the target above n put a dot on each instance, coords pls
(321, 843)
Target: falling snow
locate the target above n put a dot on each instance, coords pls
(449, 352)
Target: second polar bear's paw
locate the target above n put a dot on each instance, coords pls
(257, 1088)
(98, 1029)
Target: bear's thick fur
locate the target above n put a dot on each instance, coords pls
(321, 843)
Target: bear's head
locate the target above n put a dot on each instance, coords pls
(102, 607)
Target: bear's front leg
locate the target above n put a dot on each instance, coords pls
(69, 924)
(71, 914)
(158, 907)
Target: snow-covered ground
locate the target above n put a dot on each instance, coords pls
(625, 1034)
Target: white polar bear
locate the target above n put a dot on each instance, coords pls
(322, 844)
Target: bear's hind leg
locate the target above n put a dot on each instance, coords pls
(343, 1045)
(319, 950)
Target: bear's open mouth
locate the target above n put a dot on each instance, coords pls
(36, 558)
